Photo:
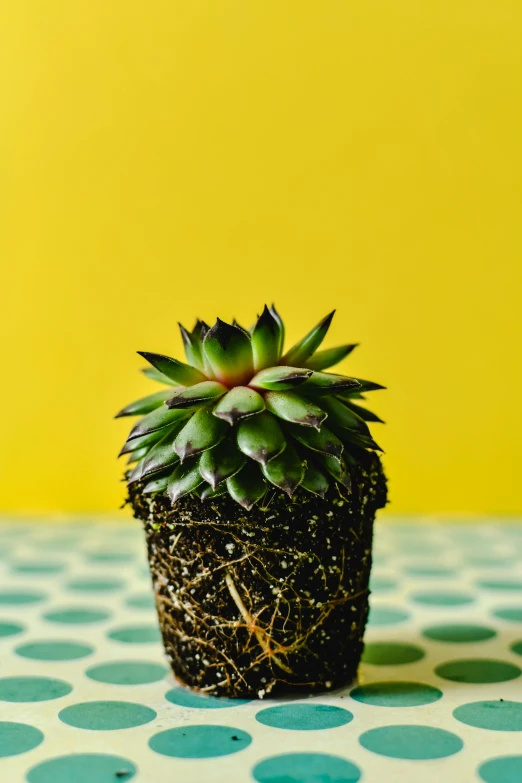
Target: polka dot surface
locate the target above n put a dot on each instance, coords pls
(184, 697)
(200, 742)
(391, 653)
(28, 689)
(136, 634)
(512, 614)
(411, 742)
(306, 768)
(106, 715)
(83, 768)
(76, 616)
(459, 634)
(18, 738)
(54, 651)
(304, 717)
(88, 696)
(396, 694)
(505, 769)
(478, 671)
(127, 672)
(498, 715)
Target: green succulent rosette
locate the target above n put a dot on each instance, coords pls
(242, 415)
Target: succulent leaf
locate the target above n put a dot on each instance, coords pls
(145, 404)
(337, 469)
(193, 348)
(144, 441)
(156, 375)
(265, 341)
(328, 358)
(364, 413)
(329, 383)
(135, 456)
(196, 395)
(201, 432)
(303, 349)
(161, 456)
(363, 441)
(285, 471)
(340, 416)
(280, 326)
(239, 403)
(280, 378)
(156, 485)
(364, 386)
(315, 481)
(156, 420)
(208, 492)
(324, 441)
(260, 437)
(238, 419)
(221, 462)
(177, 371)
(185, 479)
(229, 353)
(247, 487)
(291, 407)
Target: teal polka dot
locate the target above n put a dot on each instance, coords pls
(200, 742)
(304, 717)
(459, 633)
(106, 715)
(83, 768)
(512, 614)
(75, 616)
(184, 697)
(110, 557)
(38, 569)
(440, 598)
(380, 615)
(391, 653)
(430, 572)
(136, 634)
(517, 647)
(396, 694)
(16, 738)
(500, 584)
(496, 715)
(141, 601)
(19, 597)
(95, 585)
(127, 672)
(477, 670)
(306, 768)
(54, 651)
(29, 689)
(58, 544)
(382, 584)
(10, 629)
(488, 562)
(505, 769)
(411, 742)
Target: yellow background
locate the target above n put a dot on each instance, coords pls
(166, 159)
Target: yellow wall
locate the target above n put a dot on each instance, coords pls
(167, 159)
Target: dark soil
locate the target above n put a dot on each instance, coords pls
(266, 601)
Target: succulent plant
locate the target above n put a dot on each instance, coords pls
(242, 415)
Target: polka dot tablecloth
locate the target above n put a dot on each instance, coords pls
(86, 696)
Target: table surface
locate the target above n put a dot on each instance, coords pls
(82, 669)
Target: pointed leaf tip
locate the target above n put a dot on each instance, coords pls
(303, 349)
(177, 371)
